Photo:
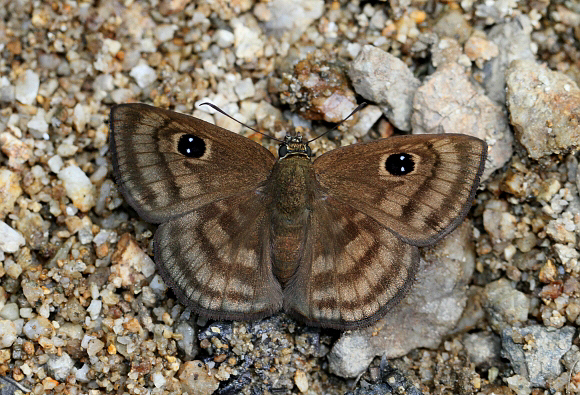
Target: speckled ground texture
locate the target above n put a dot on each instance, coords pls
(496, 305)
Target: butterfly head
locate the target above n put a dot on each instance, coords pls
(294, 145)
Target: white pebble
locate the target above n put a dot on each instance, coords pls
(224, 38)
(157, 284)
(80, 117)
(158, 379)
(94, 308)
(144, 75)
(12, 268)
(10, 239)
(148, 45)
(121, 95)
(37, 327)
(245, 89)
(59, 367)
(111, 46)
(10, 312)
(26, 369)
(94, 346)
(67, 150)
(8, 333)
(27, 87)
(37, 123)
(81, 374)
(165, 32)
(78, 187)
(55, 164)
(248, 42)
(25, 312)
(101, 237)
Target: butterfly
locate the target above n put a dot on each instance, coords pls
(332, 241)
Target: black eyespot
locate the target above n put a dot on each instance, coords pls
(282, 150)
(400, 164)
(191, 146)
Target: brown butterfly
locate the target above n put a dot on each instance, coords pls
(332, 242)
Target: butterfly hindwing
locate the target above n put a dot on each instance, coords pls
(352, 270)
(421, 204)
(159, 181)
(217, 258)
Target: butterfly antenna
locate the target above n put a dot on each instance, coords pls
(357, 109)
(241, 123)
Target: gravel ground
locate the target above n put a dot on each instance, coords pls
(495, 306)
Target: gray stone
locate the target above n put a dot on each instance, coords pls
(447, 102)
(367, 117)
(514, 42)
(520, 385)
(453, 24)
(188, 342)
(428, 313)
(544, 107)
(386, 80)
(9, 386)
(482, 348)
(351, 355)
(447, 50)
(505, 306)
(390, 381)
(535, 351)
(495, 11)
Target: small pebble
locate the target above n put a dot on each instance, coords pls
(78, 187)
(26, 88)
(8, 333)
(37, 327)
(144, 75)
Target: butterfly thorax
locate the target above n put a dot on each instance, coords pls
(290, 187)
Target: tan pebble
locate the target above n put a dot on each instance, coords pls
(73, 224)
(418, 16)
(548, 272)
(17, 374)
(301, 380)
(4, 356)
(196, 379)
(132, 325)
(9, 191)
(49, 383)
(102, 250)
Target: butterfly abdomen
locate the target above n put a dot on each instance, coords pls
(291, 201)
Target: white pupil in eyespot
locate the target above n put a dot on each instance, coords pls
(188, 150)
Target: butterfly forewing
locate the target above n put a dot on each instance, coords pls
(420, 203)
(159, 181)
